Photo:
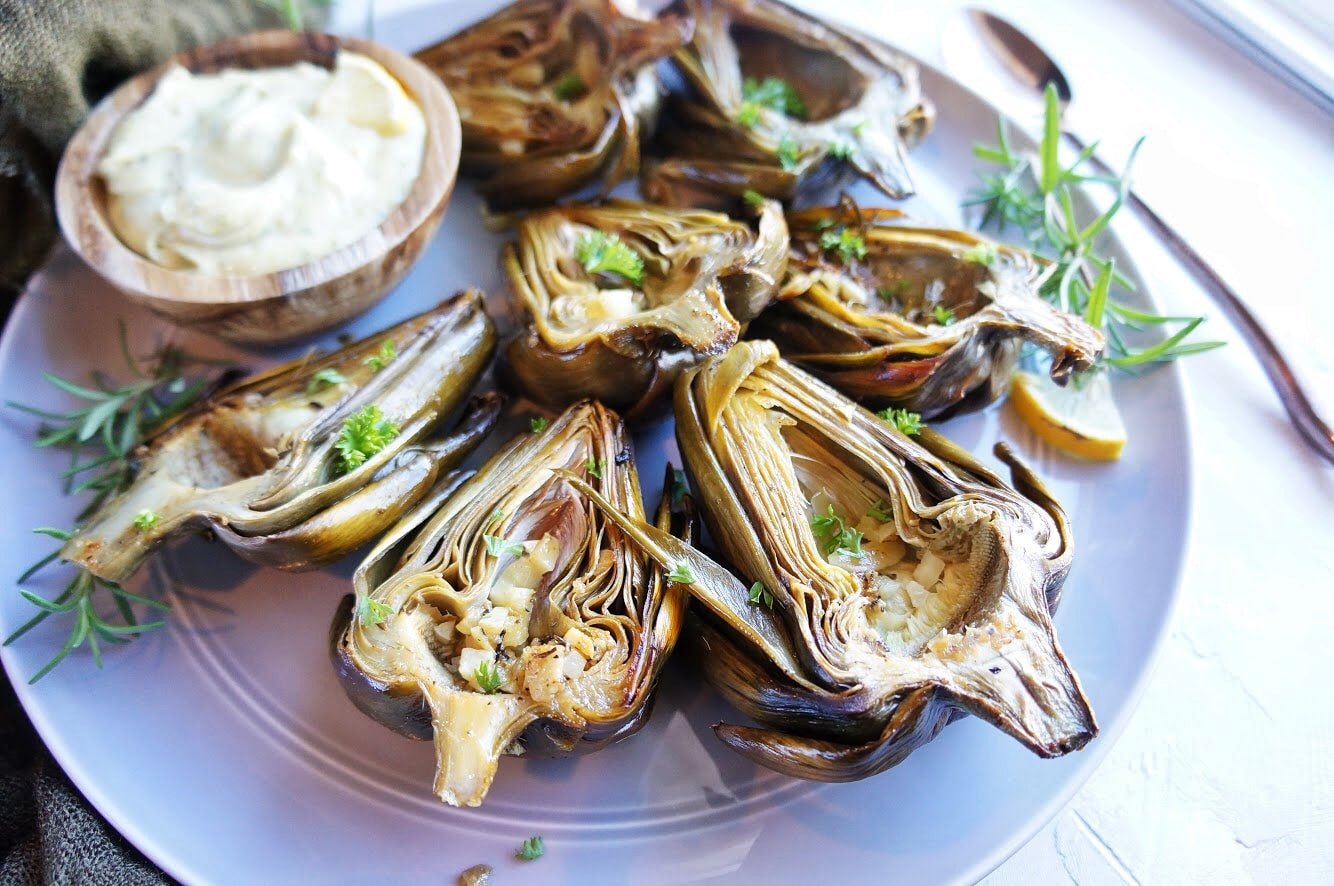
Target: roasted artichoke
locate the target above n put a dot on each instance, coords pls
(897, 580)
(554, 94)
(301, 465)
(920, 318)
(621, 297)
(785, 105)
(508, 615)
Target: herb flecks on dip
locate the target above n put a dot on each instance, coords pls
(251, 171)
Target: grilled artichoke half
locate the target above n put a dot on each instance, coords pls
(908, 581)
(930, 320)
(508, 615)
(261, 464)
(701, 278)
(554, 94)
(857, 107)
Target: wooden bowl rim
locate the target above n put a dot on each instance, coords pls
(86, 228)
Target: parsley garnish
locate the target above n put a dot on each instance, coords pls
(752, 198)
(499, 547)
(847, 243)
(595, 467)
(364, 434)
(982, 254)
(145, 520)
(488, 677)
(681, 574)
(834, 533)
(532, 849)
(758, 594)
(893, 290)
(788, 155)
(602, 253)
(840, 151)
(571, 86)
(909, 423)
(537, 424)
(774, 93)
(748, 114)
(372, 612)
(680, 489)
(383, 357)
(325, 378)
(942, 315)
(881, 511)
(858, 128)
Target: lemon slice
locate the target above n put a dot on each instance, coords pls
(1079, 419)
(365, 94)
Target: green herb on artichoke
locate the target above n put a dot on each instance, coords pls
(982, 254)
(841, 151)
(488, 677)
(760, 595)
(752, 197)
(537, 424)
(499, 547)
(881, 511)
(909, 423)
(774, 93)
(681, 574)
(372, 612)
(325, 378)
(602, 253)
(595, 467)
(942, 315)
(847, 243)
(364, 434)
(834, 534)
(570, 87)
(145, 520)
(383, 357)
(789, 156)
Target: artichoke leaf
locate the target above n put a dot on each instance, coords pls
(688, 283)
(508, 615)
(258, 463)
(554, 95)
(856, 107)
(928, 320)
(895, 568)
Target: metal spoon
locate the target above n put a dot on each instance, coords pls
(1029, 70)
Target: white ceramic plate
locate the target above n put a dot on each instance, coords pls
(224, 748)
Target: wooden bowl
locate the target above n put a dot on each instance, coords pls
(286, 304)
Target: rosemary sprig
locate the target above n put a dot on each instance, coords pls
(1035, 194)
(101, 436)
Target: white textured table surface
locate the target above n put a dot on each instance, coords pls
(1226, 773)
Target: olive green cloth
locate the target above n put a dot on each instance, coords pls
(59, 57)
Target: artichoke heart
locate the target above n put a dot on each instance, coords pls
(301, 465)
(907, 582)
(554, 95)
(785, 105)
(925, 319)
(622, 296)
(507, 615)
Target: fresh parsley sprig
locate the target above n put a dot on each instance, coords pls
(834, 534)
(603, 253)
(364, 434)
(1035, 194)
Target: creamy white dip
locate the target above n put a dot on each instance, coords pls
(250, 171)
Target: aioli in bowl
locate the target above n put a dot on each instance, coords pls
(245, 172)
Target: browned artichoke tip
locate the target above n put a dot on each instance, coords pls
(508, 615)
(857, 107)
(554, 95)
(908, 582)
(929, 320)
(688, 283)
(259, 465)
